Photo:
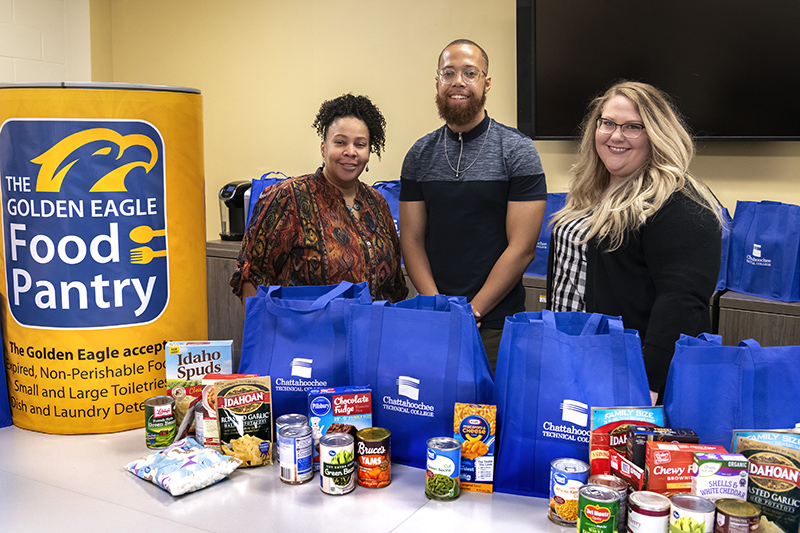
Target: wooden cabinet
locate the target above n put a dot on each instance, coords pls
(225, 310)
(770, 322)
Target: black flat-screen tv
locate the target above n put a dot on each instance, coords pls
(732, 67)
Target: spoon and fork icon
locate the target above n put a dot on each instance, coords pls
(144, 254)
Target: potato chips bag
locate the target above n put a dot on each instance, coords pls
(244, 417)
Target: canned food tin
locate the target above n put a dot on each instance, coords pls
(567, 476)
(337, 463)
(648, 512)
(442, 478)
(691, 513)
(619, 485)
(296, 444)
(159, 422)
(374, 457)
(291, 419)
(736, 516)
(598, 509)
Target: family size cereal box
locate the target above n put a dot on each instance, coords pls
(720, 475)
(610, 431)
(669, 465)
(186, 363)
(474, 425)
(338, 410)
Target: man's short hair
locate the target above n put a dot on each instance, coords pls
(470, 43)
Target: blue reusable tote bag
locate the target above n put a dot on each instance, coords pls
(298, 337)
(764, 256)
(390, 190)
(552, 368)
(555, 202)
(715, 389)
(722, 279)
(258, 186)
(5, 410)
(420, 356)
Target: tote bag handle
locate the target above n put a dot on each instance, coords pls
(277, 307)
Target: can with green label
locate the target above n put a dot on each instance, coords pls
(598, 509)
(159, 422)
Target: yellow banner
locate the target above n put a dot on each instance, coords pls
(103, 249)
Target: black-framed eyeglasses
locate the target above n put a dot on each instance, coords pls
(448, 75)
(631, 130)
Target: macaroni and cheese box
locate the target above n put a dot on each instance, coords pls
(186, 363)
(474, 425)
(338, 410)
(720, 475)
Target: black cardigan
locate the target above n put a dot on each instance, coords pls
(660, 281)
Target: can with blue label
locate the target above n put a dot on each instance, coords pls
(443, 475)
(295, 443)
(567, 476)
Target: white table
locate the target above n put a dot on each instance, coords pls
(77, 483)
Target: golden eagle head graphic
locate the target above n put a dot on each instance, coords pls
(58, 160)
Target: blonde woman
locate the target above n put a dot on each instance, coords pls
(639, 236)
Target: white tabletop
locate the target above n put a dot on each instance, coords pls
(77, 483)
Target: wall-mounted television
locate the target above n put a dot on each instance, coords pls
(731, 66)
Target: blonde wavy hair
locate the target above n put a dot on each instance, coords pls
(614, 210)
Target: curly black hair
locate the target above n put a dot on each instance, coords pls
(360, 107)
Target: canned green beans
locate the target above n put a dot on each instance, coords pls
(159, 422)
(442, 477)
(337, 463)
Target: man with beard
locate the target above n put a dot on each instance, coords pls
(472, 199)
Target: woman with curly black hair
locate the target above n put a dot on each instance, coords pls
(327, 227)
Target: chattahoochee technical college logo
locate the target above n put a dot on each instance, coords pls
(84, 222)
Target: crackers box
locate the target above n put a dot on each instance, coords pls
(338, 409)
(638, 436)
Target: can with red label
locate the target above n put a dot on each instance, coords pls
(374, 457)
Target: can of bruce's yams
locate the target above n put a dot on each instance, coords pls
(691, 513)
(619, 485)
(443, 474)
(567, 476)
(736, 516)
(598, 509)
(337, 464)
(159, 422)
(291, 419)
(296, 444)
(648, 512)
(374, 457)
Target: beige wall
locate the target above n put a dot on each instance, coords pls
(264, 67)
(44, 40)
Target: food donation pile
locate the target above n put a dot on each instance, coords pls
(642, 476)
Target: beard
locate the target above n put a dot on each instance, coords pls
(459, 114)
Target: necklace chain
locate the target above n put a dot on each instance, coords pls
(457, 168)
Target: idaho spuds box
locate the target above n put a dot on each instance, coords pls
(338, 409)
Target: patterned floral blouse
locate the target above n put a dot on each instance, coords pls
(301, 233)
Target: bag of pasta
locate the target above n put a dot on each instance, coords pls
(244, 417)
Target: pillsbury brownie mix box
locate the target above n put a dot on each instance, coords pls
(338, 410)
